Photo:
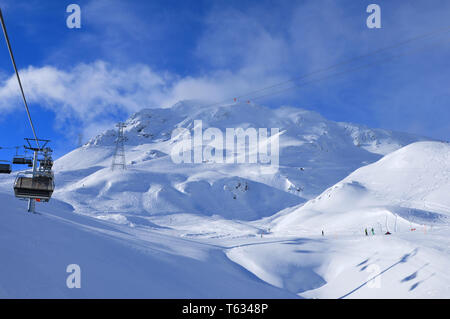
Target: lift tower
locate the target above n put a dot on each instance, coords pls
(119, 152)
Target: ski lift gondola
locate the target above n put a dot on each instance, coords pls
(39, 184)
(18, 160)
(22, 159)
(38, 187)
(5, 167)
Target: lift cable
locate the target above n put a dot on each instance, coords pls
(18, 79)
(9, 148)
(342, 63)
(363, 66)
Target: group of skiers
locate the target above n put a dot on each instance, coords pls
(365, 230)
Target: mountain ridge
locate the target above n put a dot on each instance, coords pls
(315, 153)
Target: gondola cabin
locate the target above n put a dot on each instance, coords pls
(39, 187)
(18, 160)
(5, 168)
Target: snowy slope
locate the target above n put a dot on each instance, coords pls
(116, 261)
(409, 185)
(314, 154)
(406, 193)
(403, 265)
(161, 229)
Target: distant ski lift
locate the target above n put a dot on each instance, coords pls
(22, 159)
(18, 160)
(5, 167)
(39, 187)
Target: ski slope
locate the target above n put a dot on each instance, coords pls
(315, 153)
(409, 185)
(406, 193)
(116, 261)
(166, 230)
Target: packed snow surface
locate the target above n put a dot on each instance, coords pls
(164, 230)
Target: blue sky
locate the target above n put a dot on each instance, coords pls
(133, 54)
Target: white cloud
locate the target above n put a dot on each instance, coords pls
(90, 96)
(86, 93)
(237, 51)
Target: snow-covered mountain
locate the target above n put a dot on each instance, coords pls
(315, 153)
(161, 229)
(409, 185)
(405, 193)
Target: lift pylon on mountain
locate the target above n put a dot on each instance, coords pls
(119, 152)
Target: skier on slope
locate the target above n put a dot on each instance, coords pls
(367, 234)
(323, 234)
(373, 231)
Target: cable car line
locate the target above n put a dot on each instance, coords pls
(342, 63)
(300, 85)
(40, 185)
